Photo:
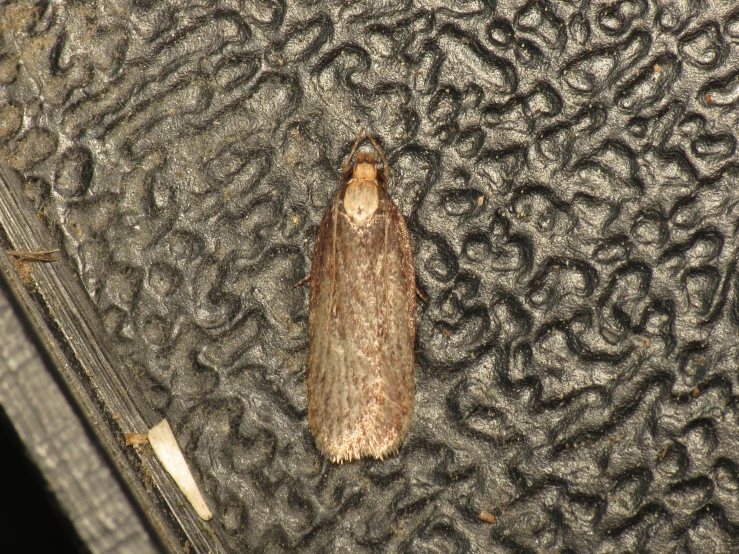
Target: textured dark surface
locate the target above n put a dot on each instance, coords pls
(569, 174)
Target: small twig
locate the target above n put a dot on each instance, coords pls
(34, 255)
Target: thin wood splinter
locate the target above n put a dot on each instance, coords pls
(34, 255)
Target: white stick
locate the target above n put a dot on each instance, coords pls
(168, 451)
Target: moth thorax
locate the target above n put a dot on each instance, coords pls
(365, 169)
(361, 199)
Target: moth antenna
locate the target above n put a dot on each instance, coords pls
(348, 161)
(386, 166)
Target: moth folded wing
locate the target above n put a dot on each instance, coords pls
(342, 358)
(340, 381)
(321, 413)
(361, 326)
(398, 308)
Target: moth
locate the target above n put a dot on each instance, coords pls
(361, 324)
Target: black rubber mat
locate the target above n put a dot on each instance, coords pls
(569, 174)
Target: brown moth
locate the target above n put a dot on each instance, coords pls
(362, 318)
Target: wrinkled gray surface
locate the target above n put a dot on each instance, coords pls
(577, 357)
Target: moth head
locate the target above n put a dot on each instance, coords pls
(365, 168)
